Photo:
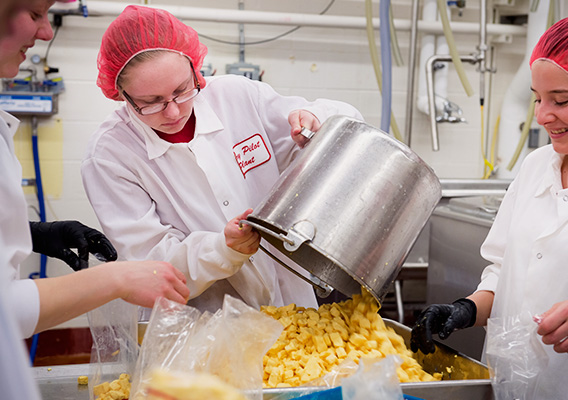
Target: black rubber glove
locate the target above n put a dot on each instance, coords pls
(442, 319)
(56, 239)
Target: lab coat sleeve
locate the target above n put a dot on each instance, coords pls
(22, 298)
(128, 217)
(274, 110)
(495, 245)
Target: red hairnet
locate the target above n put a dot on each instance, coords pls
(138, 29)
(553, 45)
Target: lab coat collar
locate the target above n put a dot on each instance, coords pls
(12, 122)
(551, 179)
(206, 122)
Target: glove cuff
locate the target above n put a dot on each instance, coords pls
(470, 305)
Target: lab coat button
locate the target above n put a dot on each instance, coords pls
(565, 198)
(539, 255)
(251, 258)
(226, 203)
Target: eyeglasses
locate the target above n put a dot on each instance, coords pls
(159, 107)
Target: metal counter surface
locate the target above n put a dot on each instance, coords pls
(474, 187)
(60, 383)
(464, 377)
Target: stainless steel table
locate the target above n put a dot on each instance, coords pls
(464, 377)
(60, 382)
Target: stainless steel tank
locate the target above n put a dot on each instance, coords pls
(350, 207)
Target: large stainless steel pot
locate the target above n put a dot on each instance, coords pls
(350, 207)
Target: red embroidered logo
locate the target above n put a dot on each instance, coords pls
(250, 153)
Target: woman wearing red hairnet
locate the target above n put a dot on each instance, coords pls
(39, 304)
(527, 244)
(171, 172)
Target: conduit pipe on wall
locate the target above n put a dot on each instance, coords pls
(431, 45)
(106, 8)
(386, 62)
(410, 74)
(375, 61)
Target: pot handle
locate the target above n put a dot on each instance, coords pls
(322, 289)
(261, 228)
(307, 133)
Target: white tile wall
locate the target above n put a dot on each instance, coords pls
(311, 62)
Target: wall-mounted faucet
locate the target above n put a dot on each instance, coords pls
(478, 58)
(472, 59)
(451, 113)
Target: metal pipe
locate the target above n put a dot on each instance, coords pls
(472, 59)
(100, 8)
(241, 35)
(483, 68)
(411, 72)
(488, 103)
(386, 63)
(399, 304)
(482, 49)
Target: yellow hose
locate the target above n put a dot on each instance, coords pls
(376, 62)
(494, 140)
(524, 134)
(488, 166)
(551, 17)
(452, 45)
(394, 42)
(493, 148)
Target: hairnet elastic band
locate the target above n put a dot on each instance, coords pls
(181, 53)
(550, 61)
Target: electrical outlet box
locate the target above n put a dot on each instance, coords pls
(29, 103)
(207, 70)
(251, 71)
(536, 140)
(22, 97)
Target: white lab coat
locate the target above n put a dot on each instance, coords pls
(21, 296)
(164, 201)
(528, 246)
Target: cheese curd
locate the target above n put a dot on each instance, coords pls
(314, 342)
(118, 389)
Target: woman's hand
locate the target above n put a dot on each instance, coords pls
(554, 327)
(142, 282)
(242, 238)
(137, 282)
(299, 119)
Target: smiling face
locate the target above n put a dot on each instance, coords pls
(28, 24)
(157, 80)
(550, 86)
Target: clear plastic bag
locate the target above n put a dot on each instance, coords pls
(115, 342)
(515, 357)
(229, 344)
(334, 378)
(374, 381)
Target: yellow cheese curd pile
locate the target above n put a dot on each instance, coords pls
(118, 389)
(315, 341)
